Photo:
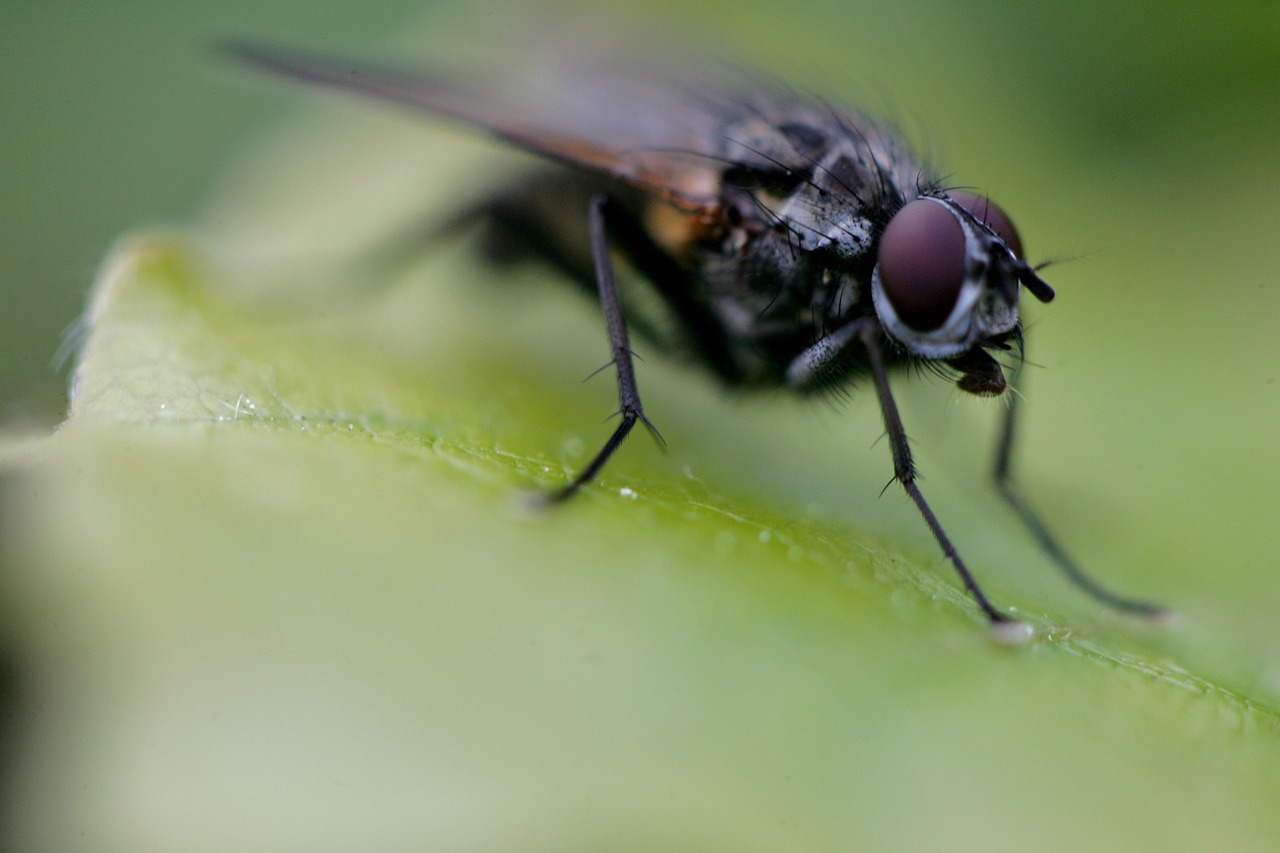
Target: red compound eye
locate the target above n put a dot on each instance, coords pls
(985, 211)
(921, 262)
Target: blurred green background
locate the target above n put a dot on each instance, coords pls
(1138, 148)
(115, 115)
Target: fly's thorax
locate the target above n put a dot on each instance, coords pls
(948, 275)
(829, 178)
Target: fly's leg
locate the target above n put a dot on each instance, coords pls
(524, 225)
(630, 409)
(1003, 476)
(698, 325)
(810, 368)
(904, 470)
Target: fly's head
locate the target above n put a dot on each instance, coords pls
(947, 278)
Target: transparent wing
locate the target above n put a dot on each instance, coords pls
(665, 140)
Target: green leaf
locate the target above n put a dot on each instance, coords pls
(280, 587)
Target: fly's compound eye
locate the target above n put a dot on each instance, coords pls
(921, 261)
(986, 212)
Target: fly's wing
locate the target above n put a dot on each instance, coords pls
(666, 142)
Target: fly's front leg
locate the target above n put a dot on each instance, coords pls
(630, 410)
(1003, 476)
(819, 361)
(904, 469)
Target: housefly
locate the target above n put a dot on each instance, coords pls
(793, 244)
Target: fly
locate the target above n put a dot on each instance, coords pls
(794, 245)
